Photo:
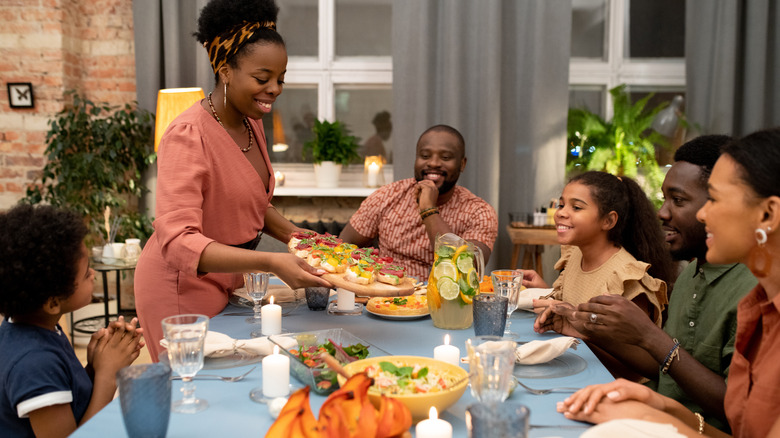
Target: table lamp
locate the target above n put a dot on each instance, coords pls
(170, 103)
(667, 120)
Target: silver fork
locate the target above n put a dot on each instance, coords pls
(546, 391)
(216, 377)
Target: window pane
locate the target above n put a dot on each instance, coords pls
(590, 98)
(290, 123)
(363, 27)
(588, 18)
(298, 26)
(366, 112)
(656, 29)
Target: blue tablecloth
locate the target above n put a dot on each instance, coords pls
(232, 414)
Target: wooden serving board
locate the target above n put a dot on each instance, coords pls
(375, 289)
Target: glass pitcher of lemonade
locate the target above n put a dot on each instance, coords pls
(454, 281)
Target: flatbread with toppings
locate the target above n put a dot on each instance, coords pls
(360, 270)
(412, 305)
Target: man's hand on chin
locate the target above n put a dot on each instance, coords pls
(426, 193)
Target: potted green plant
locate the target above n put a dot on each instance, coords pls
(331, 148)
(96, 156)
(624, 145)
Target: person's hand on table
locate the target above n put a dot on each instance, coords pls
(546, 319)
(584, 404)
(554, 317)
(617, 319)
(532, 279)
(426, 194)
(296, 273)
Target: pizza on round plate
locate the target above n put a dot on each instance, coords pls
(411, 305)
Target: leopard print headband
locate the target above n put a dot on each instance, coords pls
(225, 46)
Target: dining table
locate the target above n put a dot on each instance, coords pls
(231, 412)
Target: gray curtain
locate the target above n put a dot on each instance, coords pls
(497, 70)
(732, 50)
(166, 53)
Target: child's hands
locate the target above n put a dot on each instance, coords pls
(532, 279)
(118, 348)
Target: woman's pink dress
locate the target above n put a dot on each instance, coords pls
(207, 191)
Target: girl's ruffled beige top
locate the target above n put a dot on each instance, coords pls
(622, 275)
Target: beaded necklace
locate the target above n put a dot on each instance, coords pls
(246, 123)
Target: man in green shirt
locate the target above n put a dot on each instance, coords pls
(702, 312)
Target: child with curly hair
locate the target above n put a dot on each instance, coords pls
(612, 243)
(45, 273)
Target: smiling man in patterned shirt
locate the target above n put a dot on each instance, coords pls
(407, 215)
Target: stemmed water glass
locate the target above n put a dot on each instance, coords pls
(491, 362)
(186, 335)
(507, 283)
(256, 284)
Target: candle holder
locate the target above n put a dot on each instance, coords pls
(372, 171)
(279, 176)
(345, 304)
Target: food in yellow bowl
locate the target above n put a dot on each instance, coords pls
(417, 382)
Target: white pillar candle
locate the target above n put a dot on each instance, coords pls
(373, 175)
(276, 375)
(271, 318)
(346, 300)
(433, 427)
(447, 353)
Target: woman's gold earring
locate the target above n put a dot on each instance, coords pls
(224, 97)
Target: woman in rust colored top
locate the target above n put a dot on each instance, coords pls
(215, 181)
(742, 219)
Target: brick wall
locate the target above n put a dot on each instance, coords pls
(57, 45)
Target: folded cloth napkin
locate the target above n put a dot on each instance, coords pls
(633, 428)
(527, 296)
(535, 352)
(281, 293)
(221, 345)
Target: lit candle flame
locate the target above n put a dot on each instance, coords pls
(276, 349)
(433, 414)
(447, 339)
(271, 300)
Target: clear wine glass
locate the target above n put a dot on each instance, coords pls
(256, 284)
(507, 283)
(186, 335)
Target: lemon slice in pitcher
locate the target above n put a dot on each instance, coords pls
(473, 279)
(445, 268)
(448, 289)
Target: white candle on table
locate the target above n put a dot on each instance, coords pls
(447, 353)
(373, 175)
(433, 427)
(276, 374)
(272, 318)
(346, 300)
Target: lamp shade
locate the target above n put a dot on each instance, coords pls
(170, 103)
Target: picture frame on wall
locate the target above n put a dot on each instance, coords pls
(20, 95)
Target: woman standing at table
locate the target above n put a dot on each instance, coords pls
(742, 218)
(215, 180)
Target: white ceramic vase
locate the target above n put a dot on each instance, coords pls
(327, 174)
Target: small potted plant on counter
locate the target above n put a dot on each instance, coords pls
(331, 148)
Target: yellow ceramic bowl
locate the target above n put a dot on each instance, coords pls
(418, 404)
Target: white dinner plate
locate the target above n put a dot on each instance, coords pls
(398, 317)
(234, 360)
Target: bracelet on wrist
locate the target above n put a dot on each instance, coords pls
(428, 212)
(700, 417)
(674, 352)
